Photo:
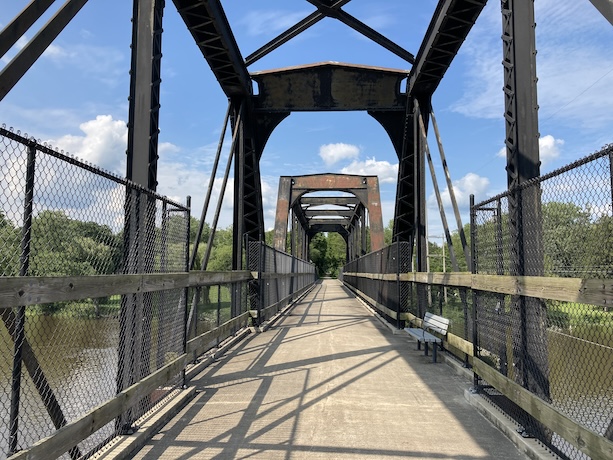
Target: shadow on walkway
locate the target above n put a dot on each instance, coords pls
(328, 381)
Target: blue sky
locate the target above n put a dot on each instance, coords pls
(75, 96)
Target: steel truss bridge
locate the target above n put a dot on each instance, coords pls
(511, 311)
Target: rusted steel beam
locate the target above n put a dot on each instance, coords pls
(324, 200)
(310, 213)
(329, 86)
(366, 191)
(282, 215)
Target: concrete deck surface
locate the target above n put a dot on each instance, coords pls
(329, 381)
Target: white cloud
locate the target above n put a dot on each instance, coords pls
(470, 184)
(387, 172)
(269, 22)
(104, 143)
(167, 148)
(333, 153)
(549, 149)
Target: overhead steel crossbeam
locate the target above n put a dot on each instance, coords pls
(359, 26)
(332, 9)
(324, 200)
(329, 86)
(449, 27)
(209, 26)
(315, 213)
(290, 33)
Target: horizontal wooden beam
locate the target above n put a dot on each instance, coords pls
(588, 291)
(18, 291)
(587, 441)
(73, 433)
(68, 436)
(198, 345)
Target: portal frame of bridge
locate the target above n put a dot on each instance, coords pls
(348, 218)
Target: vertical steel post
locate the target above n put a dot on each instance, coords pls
(274, 270)
(188, 202)
(161, 311)
(399, 322)
(20, 333)
(473, 269)
(521, 119)
(420, 206)
(218, 305)
(142, 156)
(502, 323)
(261, 281)
(611, 175)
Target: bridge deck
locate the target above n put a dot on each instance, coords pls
(328, 381)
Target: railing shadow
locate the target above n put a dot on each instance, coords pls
(279, 387)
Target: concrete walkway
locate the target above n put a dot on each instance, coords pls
(329, 381)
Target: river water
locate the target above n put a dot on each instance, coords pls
(78, 358)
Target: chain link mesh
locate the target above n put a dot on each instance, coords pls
(281, 277)
(559, 225)
(63, 217)
(391, 293)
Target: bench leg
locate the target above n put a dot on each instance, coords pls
(426, 348)
(418, 344)
(434, 346)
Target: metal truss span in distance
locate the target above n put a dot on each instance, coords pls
(345, 215)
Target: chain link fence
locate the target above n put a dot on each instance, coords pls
(63, 217)
(388, 295)
(281, 278)
(560, 226)
(397, 299)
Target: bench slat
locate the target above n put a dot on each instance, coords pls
(436, 323)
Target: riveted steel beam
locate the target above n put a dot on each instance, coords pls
(311, 213)
(329, 86)
(207, 22)
(449, 27)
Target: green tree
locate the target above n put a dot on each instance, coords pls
(566, 230)
(317, 251)
(388, 232)
(10, 247)
(221, 253)
(336, 255)
(65, 247)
